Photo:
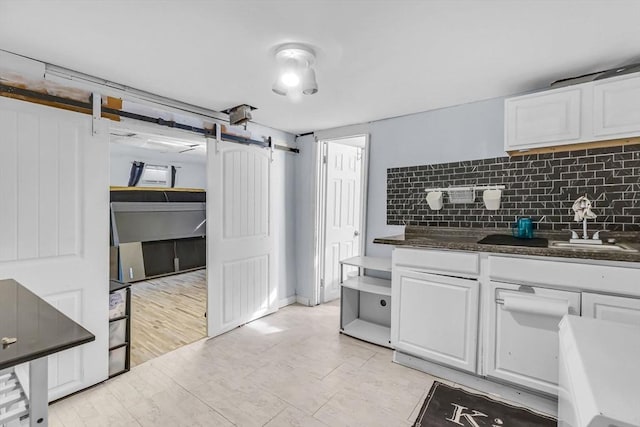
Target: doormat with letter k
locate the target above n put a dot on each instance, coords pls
(450, 407)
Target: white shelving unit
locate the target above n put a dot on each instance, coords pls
(365, 311)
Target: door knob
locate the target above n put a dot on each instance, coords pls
(356, 233)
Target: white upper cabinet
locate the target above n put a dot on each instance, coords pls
(616, 108)
(545, 118)
(593, 111)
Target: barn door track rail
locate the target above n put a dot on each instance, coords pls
(87, 107)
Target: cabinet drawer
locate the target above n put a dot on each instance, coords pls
(565, 273)
(446, 262)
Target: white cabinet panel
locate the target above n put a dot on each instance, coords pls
(435, 317)
(616, 108)
(607, 307)
(523, 341)
(545, 118)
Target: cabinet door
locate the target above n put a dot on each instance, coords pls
(547, 118)
(616, 108)
(435, 318)
(607, 307)
(523, 338)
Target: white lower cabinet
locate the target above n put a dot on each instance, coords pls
(523, 334)
(614, 308)
(435, 317)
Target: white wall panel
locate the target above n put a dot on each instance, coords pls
(245, 288)
(8, 185)
(65, 368)
(49, 191)
(28, 182)
(69, 179)
(40, 185)
(246, 194)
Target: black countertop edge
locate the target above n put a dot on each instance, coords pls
(114, 285)
(465, 239)
(45, 352)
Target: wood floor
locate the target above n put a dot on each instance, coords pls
(167, 313)
(291, 368)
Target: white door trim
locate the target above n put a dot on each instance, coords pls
(320, 203)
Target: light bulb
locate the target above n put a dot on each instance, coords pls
(290, 79)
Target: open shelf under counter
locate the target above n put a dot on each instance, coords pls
(369, 284)
(369, 262)
(368, 331)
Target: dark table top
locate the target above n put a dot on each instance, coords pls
(40, 328)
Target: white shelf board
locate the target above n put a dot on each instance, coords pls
(369, 284)
(370, 262)
(368, 331)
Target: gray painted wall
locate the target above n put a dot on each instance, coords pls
(304, 223)
(464, 132)
(285, 216)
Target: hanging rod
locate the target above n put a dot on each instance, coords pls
(474, 187)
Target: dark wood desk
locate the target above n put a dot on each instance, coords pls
(39, 330)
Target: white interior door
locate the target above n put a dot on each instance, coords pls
(54, 230)
(342, 213)
(240, 236)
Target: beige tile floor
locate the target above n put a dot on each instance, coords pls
(292, 368)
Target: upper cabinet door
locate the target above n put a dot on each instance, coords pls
(543, 119)
(616, 108)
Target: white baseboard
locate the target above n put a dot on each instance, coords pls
(287, 301)
(303, 300)
(546, 405)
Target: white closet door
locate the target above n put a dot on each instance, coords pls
(342, 216)
(241, 254)
(54, 230)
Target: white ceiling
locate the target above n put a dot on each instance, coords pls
(377, 59)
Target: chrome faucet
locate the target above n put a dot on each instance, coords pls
(594, 240)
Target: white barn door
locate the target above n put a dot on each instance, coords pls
(241, 250)
(54, 230)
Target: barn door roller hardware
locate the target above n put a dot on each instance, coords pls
(240, 114)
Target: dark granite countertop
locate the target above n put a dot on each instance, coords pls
(40, 328)
(466, 239)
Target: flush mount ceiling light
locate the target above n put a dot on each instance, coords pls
(295, 70)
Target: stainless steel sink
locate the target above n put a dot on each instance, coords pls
(605, 247)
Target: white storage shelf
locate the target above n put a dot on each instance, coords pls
(369, 284)
(368, 331)
(366, 301)
(369, 262)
